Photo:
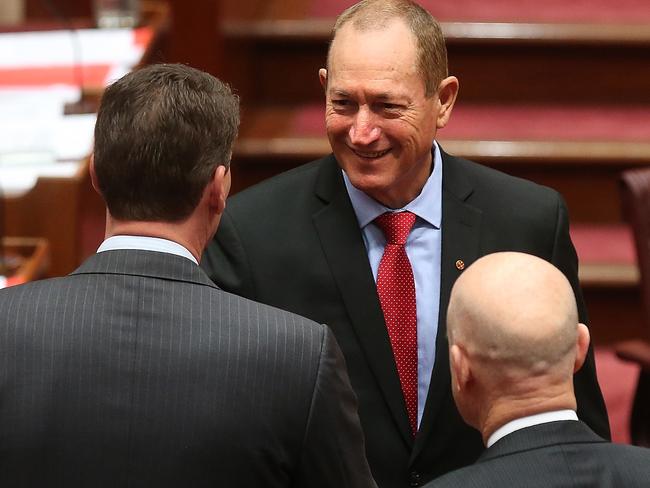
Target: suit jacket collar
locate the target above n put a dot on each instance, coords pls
(343, 246)
(150, 264)
(540, 436)
(329, 182)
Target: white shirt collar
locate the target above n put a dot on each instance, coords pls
(144, 243)
(522, 423)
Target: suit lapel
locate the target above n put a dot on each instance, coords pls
(342, 243)
(460, 242)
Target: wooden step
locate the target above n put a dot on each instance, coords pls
(510, 10)
(503, 51)
(609, 277)
(606, 254)
(553, 11)
(319, 30)
(527, 67)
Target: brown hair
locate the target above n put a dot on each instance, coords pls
(161, 132)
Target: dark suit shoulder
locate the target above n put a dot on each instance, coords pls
(25, 295)
(629, 466)
(31, 287)
(283, 189)
(629, 457)
(289, 325)
(516, 214)
(60, 299)
(266, 229)
(495, 183)
(572, 462)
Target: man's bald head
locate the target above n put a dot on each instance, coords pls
(516, 309)
(514, 340)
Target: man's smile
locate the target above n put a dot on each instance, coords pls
(370, 154)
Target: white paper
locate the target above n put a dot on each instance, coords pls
(71, 47)
(18, 180)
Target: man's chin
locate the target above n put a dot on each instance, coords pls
(371, 185)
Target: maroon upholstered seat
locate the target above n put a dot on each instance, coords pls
(635, 194)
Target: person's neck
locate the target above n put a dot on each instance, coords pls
(505, 409)
(185, 232)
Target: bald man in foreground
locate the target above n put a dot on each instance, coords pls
(514, 344)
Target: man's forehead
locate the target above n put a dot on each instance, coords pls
(371, 56)
(394, 39)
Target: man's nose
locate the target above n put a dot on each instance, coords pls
(364, 130)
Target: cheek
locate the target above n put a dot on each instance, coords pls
(418, 138)
(336, 125)
(401, 133)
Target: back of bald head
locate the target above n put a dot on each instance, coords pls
(517, 311)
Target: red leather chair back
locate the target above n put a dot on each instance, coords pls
(635, 195)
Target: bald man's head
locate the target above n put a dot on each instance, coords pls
(515, 308)
(513, 329)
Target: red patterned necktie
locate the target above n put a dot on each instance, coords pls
(396, 289)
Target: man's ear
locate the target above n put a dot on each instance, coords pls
(93, 174)
(219, 188)
(447, 93)
(322, 76)
(460, 368)
(582, 346)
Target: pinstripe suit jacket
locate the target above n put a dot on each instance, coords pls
(136, 370)
(556, 454)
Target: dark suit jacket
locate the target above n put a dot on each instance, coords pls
(294, 242)
(137, 370)
(556, 454)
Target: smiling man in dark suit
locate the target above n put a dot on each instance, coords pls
(514, 344)
(136, 370)
(371, 238)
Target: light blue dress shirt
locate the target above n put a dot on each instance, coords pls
(423, 248)
(145, 243)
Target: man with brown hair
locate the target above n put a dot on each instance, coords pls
(136, 370)
(514, 345)
(371, 238)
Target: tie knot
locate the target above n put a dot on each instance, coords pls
(396, 226)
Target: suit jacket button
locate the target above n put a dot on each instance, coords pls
(414, 479)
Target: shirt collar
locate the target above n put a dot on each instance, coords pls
(540, 418)
(145, 243)
(427, 205)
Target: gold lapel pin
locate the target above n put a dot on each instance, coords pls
(460, 265)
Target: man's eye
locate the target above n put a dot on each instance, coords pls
(341, 103)
(390, 110)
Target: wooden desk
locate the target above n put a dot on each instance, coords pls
(65, 211)
(26, 259)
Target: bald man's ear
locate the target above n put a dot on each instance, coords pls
(322, 76)
(460, 370)
(582, 346)
(447, 93)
